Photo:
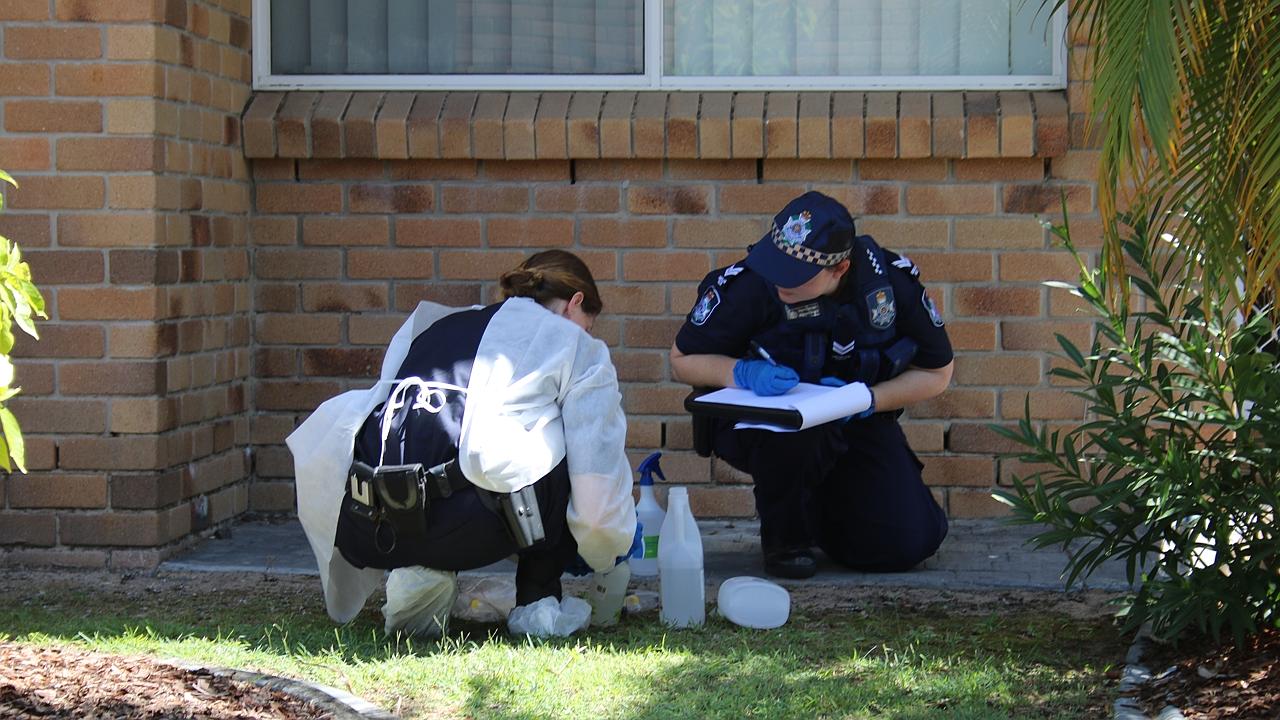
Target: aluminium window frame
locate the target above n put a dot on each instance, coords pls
(653, 78)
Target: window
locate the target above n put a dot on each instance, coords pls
(658, 44)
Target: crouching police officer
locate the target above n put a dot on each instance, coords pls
(815, 302)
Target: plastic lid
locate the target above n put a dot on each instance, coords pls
(753, 602)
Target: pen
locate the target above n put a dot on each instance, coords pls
(755, 346)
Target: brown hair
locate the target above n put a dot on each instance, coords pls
(552, 275)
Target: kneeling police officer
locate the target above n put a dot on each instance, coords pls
(815, 302)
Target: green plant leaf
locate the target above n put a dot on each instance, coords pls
(13, 435)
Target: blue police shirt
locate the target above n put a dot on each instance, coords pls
(736, 306)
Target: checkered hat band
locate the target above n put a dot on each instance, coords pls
(806, 254)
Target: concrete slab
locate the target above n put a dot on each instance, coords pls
(976, 554)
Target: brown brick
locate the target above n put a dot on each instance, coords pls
(274, 230)
(814, 126)
(479, 265)
(48, 415)
(437, 233)
(117, 229)
(530, 232)
(915, 170)
(143, 415)
(915, 127)
(272, 497)
(651, 332)
(584, 124)
(952, 266)
(60, 267)
(24, 79)
(298, 198)
(715, 139)
(62, 340)
(1045, 405)
(391, 127)
(712, 169)
(669, 200)
(618, 170)
(144, 529)
(484, 199)
(576, 198)
(44, 116)
(341, 362)
(359, 139)
(24, 528)
(622, 233)
(455, 125)
(1028, 199)
(95, 11)
(120, 80)
(388, 264)
(26, 153)
(145, 490)
(298, 264)
(959, 470)
(646, 299)
(291, 395)
(997, 369)
(905, 234)
(55, 43)
(807, 171)
(969, 335)
(1017, 125)
(145, 340)
(344, 297)
(109, 304)
(865, 199)
(982, 116)
(882, 125)
(950, 199)
(292, 137)
(717, 233)
(1010, 233)
(748, 125)
(661, 399)
(957, 403)
(996, 301)
(525, 171)
(948, 125)
(431, 169)
(486, 125)
(722, 502)
(1037, 267)
(780, 124)
(345, 231)
(1041, 335)
(518, 137)
(648, 125)
(615, 124)
(31, 230)
(57, 491)
(112, 377)
(666, 265)
(550, 126)
(847, 125)
(325, 121)
(285, 329)
(1052, 134)
(71, 192)
(25, 10)
(757, 199)
(963, 503)
(408, 295)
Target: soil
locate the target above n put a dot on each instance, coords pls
(1210, 681)
(40, 682)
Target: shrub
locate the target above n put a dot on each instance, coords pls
(21, 303)
(1176, 469)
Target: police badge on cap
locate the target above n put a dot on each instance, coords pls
(811, 233)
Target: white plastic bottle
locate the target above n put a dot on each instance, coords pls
(644, 563)
(607, 593)
(681, 583)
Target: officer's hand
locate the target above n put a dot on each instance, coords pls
(764, 378)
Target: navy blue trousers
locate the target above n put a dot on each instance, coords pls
(853, 489)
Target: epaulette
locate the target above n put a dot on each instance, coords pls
(729, 273)
(904, 263)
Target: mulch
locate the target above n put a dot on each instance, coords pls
(1210, 681)
(38, 682)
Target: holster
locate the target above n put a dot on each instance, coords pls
(523, 517)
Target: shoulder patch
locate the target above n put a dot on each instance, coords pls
(880, 308)
(932, 309)
(707, 304)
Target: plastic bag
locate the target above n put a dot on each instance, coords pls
(547, 617)
(419, 600)
(485, 599)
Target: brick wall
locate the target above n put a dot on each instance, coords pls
(121, 122)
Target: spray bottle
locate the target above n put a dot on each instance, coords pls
(681, 583)
(644, 563)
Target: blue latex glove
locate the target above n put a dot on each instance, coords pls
(837, 382)
(578, 567)
(764, 378)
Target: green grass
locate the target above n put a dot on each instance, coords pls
(887, 661)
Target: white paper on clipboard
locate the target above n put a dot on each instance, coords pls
(817, 404)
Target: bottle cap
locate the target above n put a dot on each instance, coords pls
(753, 602)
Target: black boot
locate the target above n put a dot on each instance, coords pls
(792, 563)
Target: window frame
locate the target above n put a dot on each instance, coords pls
(653, 78)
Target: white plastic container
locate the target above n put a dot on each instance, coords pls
(753, 602)
(607, 593)
(645, 562)
(681, 583)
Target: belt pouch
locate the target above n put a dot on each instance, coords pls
(401, 491)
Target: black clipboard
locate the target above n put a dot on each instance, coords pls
(790, 419)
